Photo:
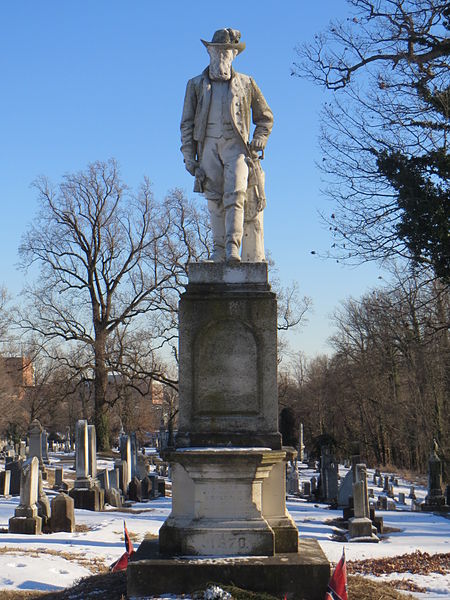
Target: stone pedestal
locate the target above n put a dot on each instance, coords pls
(221, 506)
(228, 358)
(228, 467)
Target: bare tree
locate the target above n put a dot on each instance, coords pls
(107, 257)
(385, 130)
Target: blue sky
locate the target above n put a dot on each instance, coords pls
(89, 80)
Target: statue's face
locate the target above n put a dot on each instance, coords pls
(220, 60)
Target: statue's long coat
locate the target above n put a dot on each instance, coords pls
(246, 102)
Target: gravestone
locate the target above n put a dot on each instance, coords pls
(301, 445)
(92, 452)
(113, 497)
(292, 481)
(22, 449)
(59, 477)
(401, 498)
(67, 444)
(360, 527)
(103, 478)
(307, 488)
(133, 454)
(382, 503)
(35, 444)
(44, 442)
(122, 469)
(15, 468)
(43, 503)
(386, 484)
(346, 489)
(26, 519)
(146, 488)
(62, 514)
(113, 476)
(328, 475)
(412, 493)
(135, 490)
(5, 481)
(435, 499)
(125, 455)
(86, 493)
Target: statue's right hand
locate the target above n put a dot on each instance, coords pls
(191, 166)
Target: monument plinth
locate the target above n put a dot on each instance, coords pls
(228, 467)
(228, 358)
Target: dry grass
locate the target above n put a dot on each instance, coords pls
(361, 588)
(112, 586)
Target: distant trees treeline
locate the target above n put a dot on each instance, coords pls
(387, 384)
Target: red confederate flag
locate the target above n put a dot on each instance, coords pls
(337, 588)
(122, 563)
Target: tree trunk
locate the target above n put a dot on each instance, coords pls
(101, 420)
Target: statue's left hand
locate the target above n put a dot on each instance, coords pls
(257, 145)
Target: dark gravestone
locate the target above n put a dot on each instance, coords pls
(5, 479)
(134, 490)
(161, 487)
(113, 497)
(15, 467)
(146, 488)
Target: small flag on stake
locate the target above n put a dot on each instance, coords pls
(122, 563)
(337, 587)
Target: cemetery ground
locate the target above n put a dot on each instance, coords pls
(412, 559)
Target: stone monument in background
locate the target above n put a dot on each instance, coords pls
(228, 465)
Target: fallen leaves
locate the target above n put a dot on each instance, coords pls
(418, 563)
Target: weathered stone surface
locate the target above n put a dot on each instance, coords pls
(62, 514)
(92, 452)
(89, 499)
(5, 480)
(35, 441)
(146, 488)
(15, 468)
(219, 506)
(123, 475)
(228, 396)
(345, 490)
(302, 576)
(113, 497)
(328, 475)
(134, 490)
(83, 479)
(26, 519)
(125, 455)
(103, 478)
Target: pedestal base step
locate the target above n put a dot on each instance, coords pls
(302, 576)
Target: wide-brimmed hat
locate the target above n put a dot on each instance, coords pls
(226, 38)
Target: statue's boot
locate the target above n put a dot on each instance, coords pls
(234, 224)
(217, 217)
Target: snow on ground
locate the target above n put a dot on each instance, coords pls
(54, 561)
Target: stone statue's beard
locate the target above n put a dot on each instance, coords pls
(220, 70)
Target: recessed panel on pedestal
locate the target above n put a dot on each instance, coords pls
(226, 370)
